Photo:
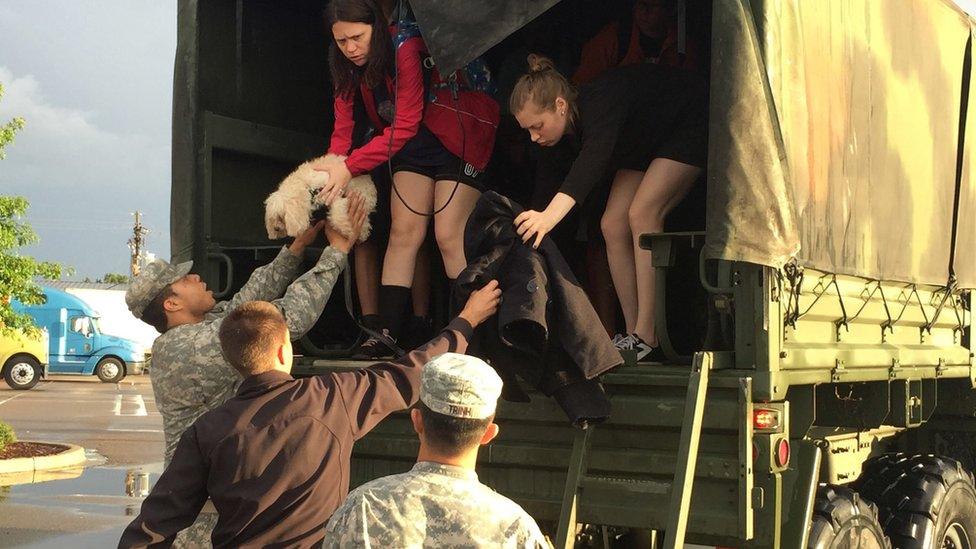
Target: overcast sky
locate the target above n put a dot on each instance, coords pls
(94, 80)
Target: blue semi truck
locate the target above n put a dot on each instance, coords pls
(77, 344)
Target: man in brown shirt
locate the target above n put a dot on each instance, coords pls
(275, 458)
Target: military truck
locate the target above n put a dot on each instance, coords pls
(823, 394)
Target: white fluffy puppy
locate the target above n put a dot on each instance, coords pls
(287, 211)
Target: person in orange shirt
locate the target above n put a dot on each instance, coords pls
(651, 35)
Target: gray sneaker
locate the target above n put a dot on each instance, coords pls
(619, 341)
(632, 342)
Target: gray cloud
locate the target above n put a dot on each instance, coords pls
(95, 88)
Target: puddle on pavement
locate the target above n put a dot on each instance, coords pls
(102, 498)
(85, 540)
(101, 490)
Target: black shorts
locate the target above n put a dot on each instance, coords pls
(425, 155)
(453, 170)
(686, 142)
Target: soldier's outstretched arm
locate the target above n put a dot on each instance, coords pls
(269, 282)
(306, 297)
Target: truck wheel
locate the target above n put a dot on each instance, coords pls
(22, 372)
(843, 520)
(110, 370)
(924, 501)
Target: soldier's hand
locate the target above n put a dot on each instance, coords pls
(357, 217)
(482, 304)
(303, 240)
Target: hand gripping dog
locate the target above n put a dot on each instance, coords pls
(289, 209)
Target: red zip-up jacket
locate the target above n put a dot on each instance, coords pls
(409, 95)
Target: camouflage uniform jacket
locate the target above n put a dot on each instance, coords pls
(189, 374)
(432, 505)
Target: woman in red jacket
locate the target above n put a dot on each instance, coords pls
(416, 134)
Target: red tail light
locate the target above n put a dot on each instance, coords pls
(765, 419)
(782, 452)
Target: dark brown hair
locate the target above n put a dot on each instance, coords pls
(155, 314)
(346, 76)
(450, 435)
(542, 85)
(250, 335)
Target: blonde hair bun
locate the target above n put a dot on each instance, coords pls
(540, 63)
(541, 86)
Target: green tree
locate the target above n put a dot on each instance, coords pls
(8, 130)
(115, 278)
(18, 272)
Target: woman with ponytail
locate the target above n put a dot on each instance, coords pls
(644, 128)
(436, 153)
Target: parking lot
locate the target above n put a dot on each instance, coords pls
(121, 430)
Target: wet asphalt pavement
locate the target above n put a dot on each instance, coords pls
(121, 430)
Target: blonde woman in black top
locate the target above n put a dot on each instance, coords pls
(644, 125)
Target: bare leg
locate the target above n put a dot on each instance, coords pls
(449, 223)
(599, 285)
(663, 186)
(366, 258)
(407, 229)
(620, 250)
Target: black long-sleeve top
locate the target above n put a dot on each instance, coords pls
(626, 109)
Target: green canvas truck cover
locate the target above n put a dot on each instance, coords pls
(834, 138)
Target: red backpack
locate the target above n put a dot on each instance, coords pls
(458, 109)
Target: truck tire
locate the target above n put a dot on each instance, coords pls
(844, 520)
(924, 501)
(110, 370)
(22, 372)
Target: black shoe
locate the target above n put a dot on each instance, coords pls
(656, 356)
(376, 347)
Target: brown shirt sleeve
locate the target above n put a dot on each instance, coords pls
(371, 394)
(175, 501)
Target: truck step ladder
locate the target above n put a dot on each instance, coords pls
(578, 481)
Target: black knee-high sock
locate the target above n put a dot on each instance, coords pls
(453, 307)
(393, 307)
(373, 322)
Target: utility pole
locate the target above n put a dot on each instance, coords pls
(137, 245)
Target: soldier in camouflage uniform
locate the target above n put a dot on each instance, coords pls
(189, 374)
(440, 502)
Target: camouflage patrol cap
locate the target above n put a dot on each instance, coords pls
(460, 386)
(153, 278)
